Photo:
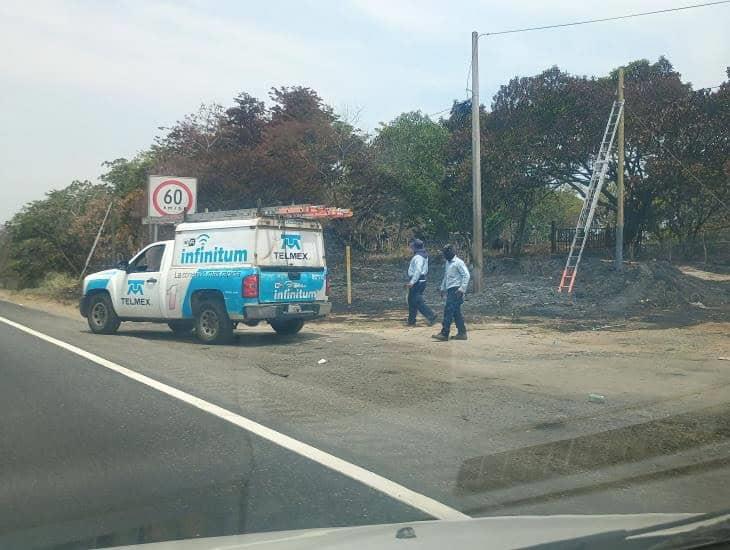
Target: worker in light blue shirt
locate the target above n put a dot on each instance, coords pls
(417, 271)
(456, 280)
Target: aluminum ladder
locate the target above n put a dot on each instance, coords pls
(598, 177)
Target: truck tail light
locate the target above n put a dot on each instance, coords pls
(327, 286)
(250, 286)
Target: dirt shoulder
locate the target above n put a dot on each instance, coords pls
(27, 298)
(533, 354)
(525, 290)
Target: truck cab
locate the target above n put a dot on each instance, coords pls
(215, 275)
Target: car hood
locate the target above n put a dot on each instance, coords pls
(490, 533)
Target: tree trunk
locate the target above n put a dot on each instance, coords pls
(519, 237)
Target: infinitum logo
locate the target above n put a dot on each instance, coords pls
(216, 255)
(292, 290)
(289, 241)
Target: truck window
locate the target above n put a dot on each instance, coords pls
(149, 261)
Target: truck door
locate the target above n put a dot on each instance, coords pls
(139, 294)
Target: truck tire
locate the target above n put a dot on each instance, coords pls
(102, 318)
(181, 327)
(212, 324)
(289, 326)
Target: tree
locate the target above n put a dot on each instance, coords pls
(244, 122)
(411, 151)
(541, 134)
(125, 176)
(691, 175)
(56, 233)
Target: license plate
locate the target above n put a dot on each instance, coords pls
(294, 308)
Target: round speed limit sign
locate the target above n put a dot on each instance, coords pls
(170, 195)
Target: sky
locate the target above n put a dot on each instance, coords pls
(83, 82)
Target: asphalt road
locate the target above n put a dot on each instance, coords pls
(91, 458)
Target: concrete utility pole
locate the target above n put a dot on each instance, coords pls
(619, 259)
(476, 171)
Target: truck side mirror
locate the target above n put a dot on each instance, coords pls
(123, 265)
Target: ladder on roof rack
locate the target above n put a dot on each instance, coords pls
(582, 228)
(299, 211)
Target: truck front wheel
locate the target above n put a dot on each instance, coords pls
(289, 326)
(212, 324)
(102, 318)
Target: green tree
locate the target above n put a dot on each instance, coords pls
(125, 176)
(56, 233)
(411, 152)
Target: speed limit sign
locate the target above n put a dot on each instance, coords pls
(169, 195)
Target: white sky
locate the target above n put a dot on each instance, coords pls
(82, 82)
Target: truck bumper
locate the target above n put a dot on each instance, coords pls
(84, 306)
(304, 310)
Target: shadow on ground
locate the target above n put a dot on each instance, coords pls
(240, 338)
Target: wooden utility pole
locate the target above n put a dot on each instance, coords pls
(619, 259)
(348, 273)
(476, 172)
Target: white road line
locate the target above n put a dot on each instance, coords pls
(366, 477)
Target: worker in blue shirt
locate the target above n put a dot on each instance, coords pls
(417, 271)
(456, 279)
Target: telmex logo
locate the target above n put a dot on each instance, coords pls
(291, 241)
(135, 287)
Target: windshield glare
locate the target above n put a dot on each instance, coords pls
(458, 276)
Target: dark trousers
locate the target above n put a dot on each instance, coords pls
(452, 312)
(416, 303)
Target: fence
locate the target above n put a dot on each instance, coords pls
(599, 238)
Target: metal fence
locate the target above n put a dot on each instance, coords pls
(599, 238)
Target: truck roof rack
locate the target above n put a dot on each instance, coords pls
(293, 211)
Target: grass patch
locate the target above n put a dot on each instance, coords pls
(56, 286)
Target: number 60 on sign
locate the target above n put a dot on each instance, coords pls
(170, 195)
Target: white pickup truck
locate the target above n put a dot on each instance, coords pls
(214, 275)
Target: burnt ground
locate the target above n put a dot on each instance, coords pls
(654, 291)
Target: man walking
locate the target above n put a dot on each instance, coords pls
(456, 279)
(417, 270)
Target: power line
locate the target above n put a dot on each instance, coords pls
(698, 180)
(589, 21)
(439, 113)
(468, 79)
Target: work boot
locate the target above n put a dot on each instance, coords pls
(441, 337)
(460, 336)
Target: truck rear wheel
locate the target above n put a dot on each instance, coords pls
(181, 327)
(289, 326)
(102, 318)
(212, 324)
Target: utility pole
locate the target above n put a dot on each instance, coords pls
(619, 259)
(476, 176)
